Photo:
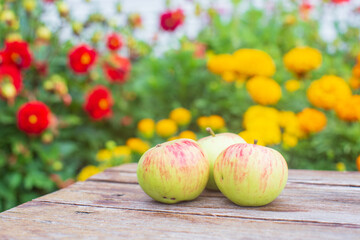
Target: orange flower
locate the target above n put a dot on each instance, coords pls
(312, 120)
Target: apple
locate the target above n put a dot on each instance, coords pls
(173, 171)
(250, 175)
(212, 146)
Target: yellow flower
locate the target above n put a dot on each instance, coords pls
(122, 152)
(103, 155)
(269, 132)
(181, 116)
(216, 122)
(146, 127)
(290, 19)
(301, 60)
(203, 122)
(290, 123)
(166, 128)
(358, 161)
(254, 62)
(292, 85)
(311, 120)
(348, 109)
(221, 63)
(289, 140)
(260, 112)
(87, 172)
(327, 91)
(29, 5)
(264, 90)
(137, 145)
(340, 166)
(188, 134)
(12, 37)
(251, 135)
(43, 33)
(354, 82)
(228, 76)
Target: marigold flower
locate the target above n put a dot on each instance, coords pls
(202, 122)
(251, 135)
(327, 91)
(221, 63)
(166, 128)
(181, 116)
(16, 53)
(216, 122)
(269, 132)
(117, 69)
(10, 81)
(228, 76)
(356, 70)
(289, 140)
(82, 58)
(146, 127)
(358, 163)
(137, 145)
(354, 83)
(171, 20)
(98, 103)
(292, 85)
(348, 109)
(33, 117)
(289, 122)
(260, 112)
(301, 60)
(114, 42)
(121, 151)
(103, 155)
(264, 90)
(254, 62)
(87, 172)
(311, 120)
(188, 134)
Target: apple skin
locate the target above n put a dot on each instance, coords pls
(250, 175)
(213, 146)
(173, 171)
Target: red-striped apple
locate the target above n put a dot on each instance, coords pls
(213, 145)
(250, 175)
(173, 171)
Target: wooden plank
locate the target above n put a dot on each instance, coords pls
(351, 179)
(298, 203)
(37, 220)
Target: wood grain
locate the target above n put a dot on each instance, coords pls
(314, 205)
(49, 220)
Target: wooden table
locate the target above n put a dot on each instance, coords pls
(314, 205)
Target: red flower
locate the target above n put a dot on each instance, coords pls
(16, 53)
(339, 1)
(10, 74)
(305, 9)
(98, 103)
(81, 58)
(33, 117)
(114, 42)
(117, 68)
(171, 20)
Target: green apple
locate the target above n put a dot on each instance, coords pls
(174, 171)
(213, 145)
(250, 175)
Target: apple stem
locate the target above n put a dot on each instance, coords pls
(209, 130)
(255, 141)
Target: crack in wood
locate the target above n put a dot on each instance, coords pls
(305, 222)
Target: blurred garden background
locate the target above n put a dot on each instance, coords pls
(86, 85)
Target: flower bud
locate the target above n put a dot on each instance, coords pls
(8, 90)
(63, 9)
(43, 33)
(29, 5)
